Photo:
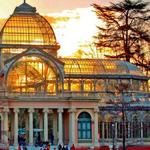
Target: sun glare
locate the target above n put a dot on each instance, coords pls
(75, 30)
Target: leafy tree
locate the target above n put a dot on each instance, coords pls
(125, 30)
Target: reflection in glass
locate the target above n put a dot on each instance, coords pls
(32, 74)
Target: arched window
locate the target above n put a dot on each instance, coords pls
(32, 74)
(84, 126)
(146, 127)
(136, 126)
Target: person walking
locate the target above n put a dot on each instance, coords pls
(72, 147)
(59, 147)
(52, 138)
(48, 147)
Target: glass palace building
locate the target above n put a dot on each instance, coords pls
(80, 101)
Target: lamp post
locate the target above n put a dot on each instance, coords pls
(121, 89)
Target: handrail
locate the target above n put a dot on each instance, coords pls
(65, 94)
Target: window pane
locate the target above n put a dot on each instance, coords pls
(88, 126)
(88, 134)
(84, 126)
(84, 134)
(79, 134)
(79, 125)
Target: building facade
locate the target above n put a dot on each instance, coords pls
(76, 100)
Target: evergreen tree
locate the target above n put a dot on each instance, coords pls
(126, 30)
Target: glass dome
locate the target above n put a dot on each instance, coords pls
(27, 27)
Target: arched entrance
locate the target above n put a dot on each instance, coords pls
(84, 126)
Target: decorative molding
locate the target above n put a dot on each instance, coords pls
(72, 110)
(6, 110)
(85, 110)
(60, 110)
(31, 110)
(46, 110)
(96, 110)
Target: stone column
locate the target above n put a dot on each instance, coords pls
(129, 119)
(55, 127)
(72, 128)
(129, 129)
(60, 126)
(102, 135)
(16, 110)
(31, 110)
(5, 137)
(116, 132)
(96, 110)
(141, 132)
(45, 111)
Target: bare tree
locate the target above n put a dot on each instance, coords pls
(126, 31)
(121, 100)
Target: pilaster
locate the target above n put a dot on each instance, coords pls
(31, 110)
(45, 111)
(5, 136)
(72, 128)
(16, 111)
(60, 126)
(96, 111)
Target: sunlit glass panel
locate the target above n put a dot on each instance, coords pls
(28, 29)
(32, 74)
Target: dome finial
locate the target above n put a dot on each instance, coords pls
(25, 8)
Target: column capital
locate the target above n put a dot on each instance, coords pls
(6, 110)
(96, 110)
(72, 110)
(16, 110)
(31, 110)
(46, 110)
(60, 110)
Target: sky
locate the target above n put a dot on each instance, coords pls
(75, 22)
(47, 6)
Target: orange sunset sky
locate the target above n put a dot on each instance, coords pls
(73, 21)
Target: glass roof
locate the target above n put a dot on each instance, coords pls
(27, 28)
(99, 66)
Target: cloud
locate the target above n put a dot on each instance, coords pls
(74, 29)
